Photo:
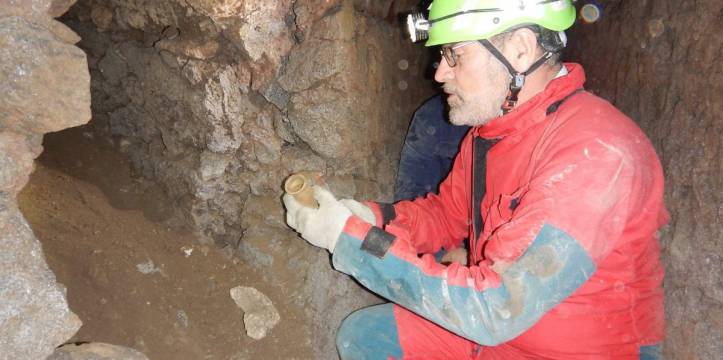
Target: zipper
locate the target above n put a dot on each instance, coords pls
(480, 148)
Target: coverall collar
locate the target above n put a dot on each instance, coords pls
(534, 110)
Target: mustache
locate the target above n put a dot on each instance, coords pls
(449, 89)
(452, 90)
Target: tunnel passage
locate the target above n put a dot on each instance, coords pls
(214, 103)
(135, 275)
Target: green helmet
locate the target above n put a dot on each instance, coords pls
(462, 20)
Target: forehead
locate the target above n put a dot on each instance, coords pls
(457, 45)
(452, 45)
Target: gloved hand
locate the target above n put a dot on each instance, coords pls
(360, 210)
(321, 227)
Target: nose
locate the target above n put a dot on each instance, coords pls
(444, 72)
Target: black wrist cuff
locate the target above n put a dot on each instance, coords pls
(377, 242)
(388, 213)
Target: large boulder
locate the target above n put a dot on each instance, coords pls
(34, 314)
(45, 79)
(45, 86)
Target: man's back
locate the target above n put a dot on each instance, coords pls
(621, 305)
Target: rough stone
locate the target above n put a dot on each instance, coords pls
(34, 313)
(29, 9)
(276, 95)
(147, 14)
(113, 68)
(226, 108)
(219, 10)
(16, 162)
(46, 88)
(37, 67)
(59, 7)
(102, 17)
(313, 62)
(202, 49)
(263, 73)
(260, 315)
(319, 118)
(96, 351)
(63, 32)
(296, 158)
(263, 33)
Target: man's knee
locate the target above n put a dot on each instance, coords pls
(350, 329)
(369, 333)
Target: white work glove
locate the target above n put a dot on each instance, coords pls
(360, 210)
(321, 227)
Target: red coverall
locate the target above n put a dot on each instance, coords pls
(563, 247)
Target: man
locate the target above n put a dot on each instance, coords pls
(559, 193)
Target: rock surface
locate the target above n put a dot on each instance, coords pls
(44, 84)
(96, 351)
(219, 101)
(658, 62)
(37, 66)
(260, 315)
(34, 314)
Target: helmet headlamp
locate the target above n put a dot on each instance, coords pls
(418, 27)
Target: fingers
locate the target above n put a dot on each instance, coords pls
(291, 219)
(290, 203)
(360, 210)
(292, 209)
(323, 195)
(351, 204)
(297, 216)
(304, 218)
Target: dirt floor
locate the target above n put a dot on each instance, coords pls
(134, 276)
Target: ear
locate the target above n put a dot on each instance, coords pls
(521, 49)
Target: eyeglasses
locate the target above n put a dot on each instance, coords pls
(449, 54)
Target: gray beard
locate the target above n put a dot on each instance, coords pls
(483, 107)
(471, 115)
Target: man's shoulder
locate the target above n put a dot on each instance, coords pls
(590, 114)
(586, 104)
(586, 119)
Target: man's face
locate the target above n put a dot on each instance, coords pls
(477, 85)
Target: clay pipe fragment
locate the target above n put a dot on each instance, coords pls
(300, 185)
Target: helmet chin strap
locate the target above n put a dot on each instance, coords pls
(518, 78)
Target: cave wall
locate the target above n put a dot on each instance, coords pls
(220, 100)
(659, 62)
(44, 83)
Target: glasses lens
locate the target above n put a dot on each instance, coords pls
(449, 56)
